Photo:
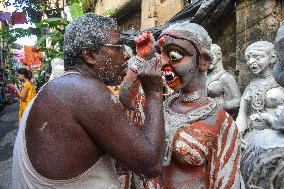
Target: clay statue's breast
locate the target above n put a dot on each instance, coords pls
(215, 88)
(192, 143)
(274, 97)
(262, 95)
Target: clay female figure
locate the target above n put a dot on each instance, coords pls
(278, 71)
(263, 95)
(202, 142)
(221, 84)
(261, 164)
(57, 65)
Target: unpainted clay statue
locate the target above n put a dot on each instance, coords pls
(57, 65)
(202, 141)
(278, 71)
(263, 95)
(262, 159)
(222, 86)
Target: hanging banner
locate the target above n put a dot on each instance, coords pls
(5, 16)
(19, 18)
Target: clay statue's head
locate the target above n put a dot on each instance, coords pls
(57, 65)
(217, 56)
(279, 42)
(185, 53)
(279, 48)
(260, 56)
(94, 42)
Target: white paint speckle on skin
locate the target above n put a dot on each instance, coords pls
(87, 31)
(43, 126)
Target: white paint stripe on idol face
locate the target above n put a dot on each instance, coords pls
(190, 139)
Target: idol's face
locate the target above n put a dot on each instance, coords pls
(257, 60)
(178, 57)
(216, 59)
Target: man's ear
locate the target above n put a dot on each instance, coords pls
(89, 57)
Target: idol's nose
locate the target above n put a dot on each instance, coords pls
(250, 61)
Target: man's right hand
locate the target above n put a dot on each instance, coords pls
(150, 76)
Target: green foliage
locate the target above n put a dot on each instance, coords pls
(88, 5)
(110, 11)
(51, 28)
(76, 10)
(13, 34)
(32, 7)
(55, 35)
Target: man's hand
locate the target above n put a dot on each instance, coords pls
(145, 45)
(150, 76)
(14, 86)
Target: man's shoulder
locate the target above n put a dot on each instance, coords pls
(78, 83)
(75, 88)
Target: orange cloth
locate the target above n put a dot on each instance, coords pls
(32, 58)
(28, 54)
(37, 56)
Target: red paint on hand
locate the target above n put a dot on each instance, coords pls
(145, 45)
(162, 41)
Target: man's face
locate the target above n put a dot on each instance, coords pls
(178, 59)
(257, 60)
(112, 64)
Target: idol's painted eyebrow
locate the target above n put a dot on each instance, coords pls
(172, 46)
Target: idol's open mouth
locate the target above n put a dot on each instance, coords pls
(254, 67)
(169, 76)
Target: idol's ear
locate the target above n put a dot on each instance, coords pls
(273, 59)
(205, 59)
(89, 57)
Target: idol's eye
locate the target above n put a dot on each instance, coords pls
(175, 55)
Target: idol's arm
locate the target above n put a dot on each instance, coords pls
(129, 88)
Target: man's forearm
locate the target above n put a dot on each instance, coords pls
(129, 89)
(154, 122)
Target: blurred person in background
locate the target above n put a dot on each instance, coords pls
(27, 91)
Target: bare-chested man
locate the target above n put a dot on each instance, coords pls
(74, 128)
